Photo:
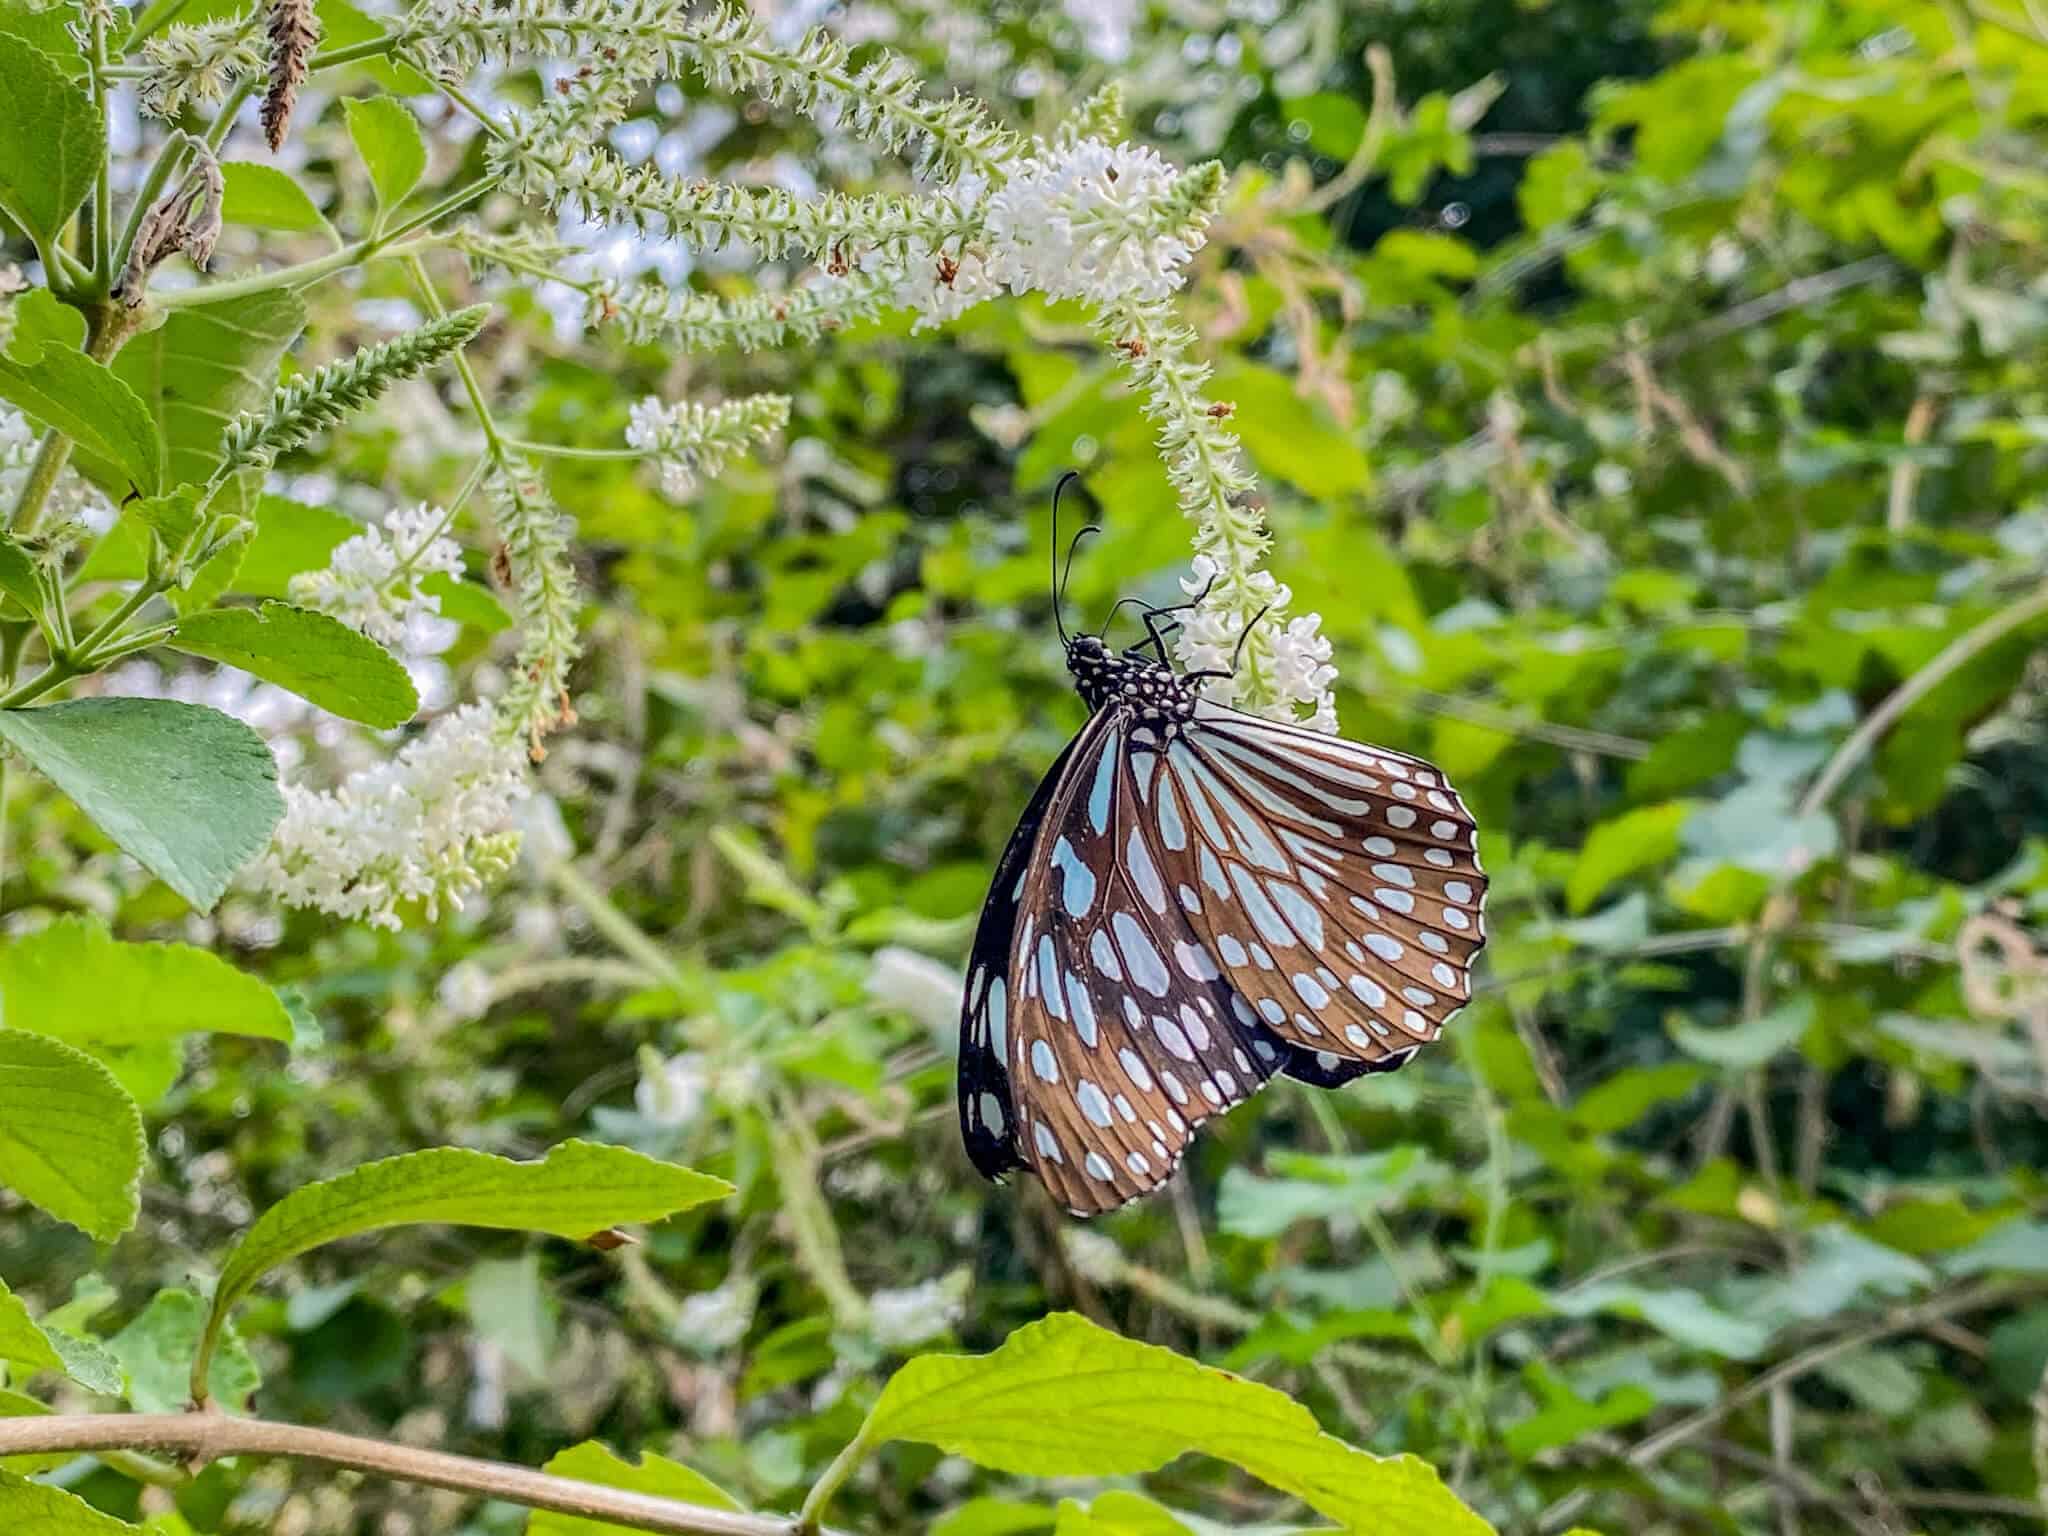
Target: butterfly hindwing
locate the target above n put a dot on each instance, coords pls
(1336, 885)
(988, 1115)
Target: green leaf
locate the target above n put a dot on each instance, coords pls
(577, 1190)
(388, 138)
(37, 1509)
(1063, 1397)
(290, 537)
(2019, 1245)
(21, 1341)
(510, 1306)
(89, 404)
(1117, 1513)
(187, 790)
(312, 654)
(1679, 1314)
(342, 25)
(52, 139)
(1617, 848)
(156, 1349)
(1750, 1043)
(70, 1139)
(41, 319)
(193, 373)
(591, 1462)
(18, 576)
(467, 603)
(263, 197)
(76, 982)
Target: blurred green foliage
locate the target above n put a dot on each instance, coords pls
(1713, 417)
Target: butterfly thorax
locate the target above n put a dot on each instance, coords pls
(1151, 693)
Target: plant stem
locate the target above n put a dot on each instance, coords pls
(1952, 657)
(206, 1437)
(563, 451)
(369, 48)
(431, 297)
(809, 1519)
(304, 272)
(621, 930)
(109, 325)
(102, 184)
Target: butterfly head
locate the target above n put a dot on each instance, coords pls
(1151, 693)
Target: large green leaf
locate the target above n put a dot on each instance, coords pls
(194, 372)
(92, 406)
(37, 1509)
(290, 537)
(1065, 1398)
(21, 1341)
(77, 982)
(591, 1462)
(578, 1190)
(52, 139)
(312, 654)
(70, 1139)
(187, 790)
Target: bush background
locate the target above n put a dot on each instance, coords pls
(1665, 395)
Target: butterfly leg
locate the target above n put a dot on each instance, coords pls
(1152, 617)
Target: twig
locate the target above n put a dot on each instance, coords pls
(1952, 657)
(1902, 1320)
(206, 1437)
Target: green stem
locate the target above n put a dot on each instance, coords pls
(55, 675)
(470, 384)
(472, 106)
(810, 1519)
(371, 48)
(88, 651)
(563, 451)
(102, 183)
(625, 935)
(302, 273)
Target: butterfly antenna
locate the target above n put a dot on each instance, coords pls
(1245, 634)
(1059, 585)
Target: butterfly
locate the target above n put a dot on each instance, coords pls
(1195, 900)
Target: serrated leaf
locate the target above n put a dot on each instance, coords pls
(311, 654)
(155, 1353)
(387, 136)
(37, 1509)
(187, 790)
(578, 1189)
(193, 373)
(1615, 849)
(70, 1139)
(52, 139)
(75, 981)
(90, 404)
(591, 1462)
(263, 197)
(1063, 1397)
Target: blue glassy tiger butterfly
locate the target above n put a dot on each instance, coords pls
(1195, 900)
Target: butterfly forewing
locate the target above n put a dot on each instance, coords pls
(1124, 1034)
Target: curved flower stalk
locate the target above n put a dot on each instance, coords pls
(1077, 216)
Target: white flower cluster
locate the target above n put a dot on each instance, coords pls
(372, 581)
(1294, 661)
(431, 826)
(903, 1319)
(692, 442)
(712, 1322)
(671, 1091)
(1075, 220)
